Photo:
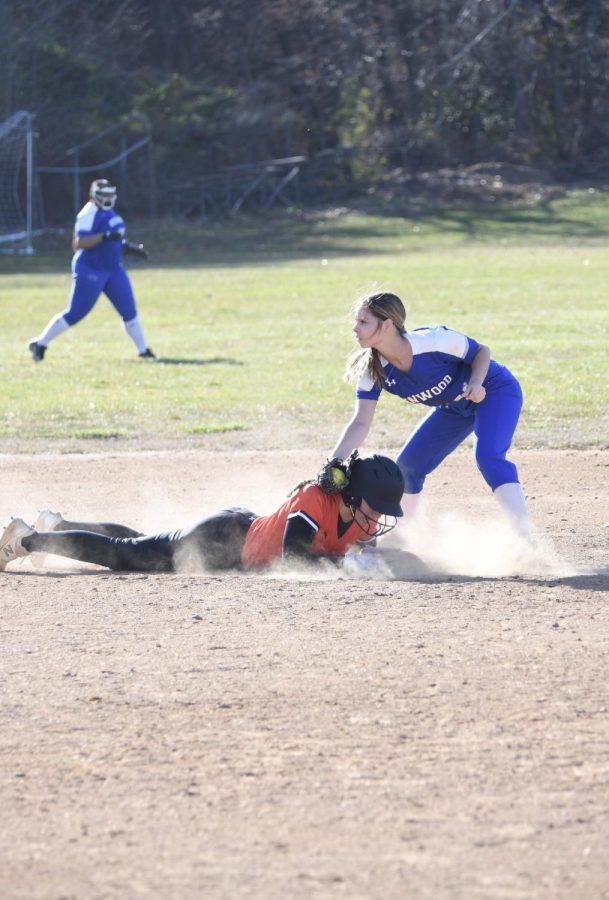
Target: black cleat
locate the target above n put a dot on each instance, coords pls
(147, 354)
(37, 350)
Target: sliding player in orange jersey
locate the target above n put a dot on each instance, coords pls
(312, 523)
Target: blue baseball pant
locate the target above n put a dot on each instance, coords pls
(88, 284)
(493, 422)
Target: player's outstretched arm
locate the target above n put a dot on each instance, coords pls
(356, 431)
(297, 537)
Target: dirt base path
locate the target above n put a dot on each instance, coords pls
(306, 735)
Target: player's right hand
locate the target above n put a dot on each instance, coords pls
(474, 391)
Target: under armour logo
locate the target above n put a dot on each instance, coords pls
(390, 382)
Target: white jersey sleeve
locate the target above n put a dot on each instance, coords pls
(438, 339)
(452, 342)
(366, 389)
(85, 219)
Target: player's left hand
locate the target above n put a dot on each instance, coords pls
(363, 565)
(474, 392)
(137, 250)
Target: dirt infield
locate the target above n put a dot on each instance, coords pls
(307, 736)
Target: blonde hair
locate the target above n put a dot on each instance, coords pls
(368, 361)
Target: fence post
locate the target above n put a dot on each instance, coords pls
(76, 185)
(152, 192)
(29, 169)
(122, 169)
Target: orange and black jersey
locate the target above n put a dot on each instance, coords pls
(309, 515)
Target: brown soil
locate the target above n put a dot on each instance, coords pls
(305, 735)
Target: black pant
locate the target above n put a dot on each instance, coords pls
(215, 542)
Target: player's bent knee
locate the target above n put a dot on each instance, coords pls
(413, 480)
(496, 471)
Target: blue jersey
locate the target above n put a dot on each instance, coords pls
(441, 366)
(92, 220)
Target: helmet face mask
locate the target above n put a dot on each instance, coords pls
(103, 194)
(373, 527)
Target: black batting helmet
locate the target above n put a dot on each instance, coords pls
(377, 480)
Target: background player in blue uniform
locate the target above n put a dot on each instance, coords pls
(96, 266)
(454, 374)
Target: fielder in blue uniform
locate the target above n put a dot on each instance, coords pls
(455, 376)
(97, 242)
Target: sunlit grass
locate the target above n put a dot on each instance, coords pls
(251, 324)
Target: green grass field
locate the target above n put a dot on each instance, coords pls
(251, 321)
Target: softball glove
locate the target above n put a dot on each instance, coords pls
(333, 477)
(137, 250)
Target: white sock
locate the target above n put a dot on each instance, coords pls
(510, 498)
(135, 332)
(55, 327)
(411, 508)
(411, 505)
